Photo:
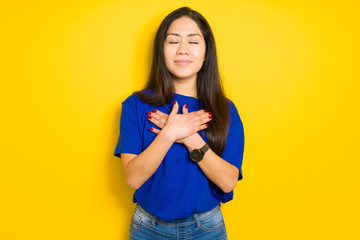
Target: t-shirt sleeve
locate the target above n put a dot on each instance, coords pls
(129, 140)
(234, 149)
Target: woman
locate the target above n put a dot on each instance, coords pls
(181, 141)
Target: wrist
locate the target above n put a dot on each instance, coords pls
(197, 155)
(167, 134)
(194, 142)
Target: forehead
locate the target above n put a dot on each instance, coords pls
(184, 26)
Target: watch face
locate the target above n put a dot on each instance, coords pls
(196, 155)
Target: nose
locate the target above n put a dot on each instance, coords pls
(182, 49)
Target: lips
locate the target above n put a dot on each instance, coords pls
(182, 62)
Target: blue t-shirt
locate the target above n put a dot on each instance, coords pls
(178, 188)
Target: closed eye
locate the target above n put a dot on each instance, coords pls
(194, 42)
(173, 42)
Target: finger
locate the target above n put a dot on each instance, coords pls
(198, 121)
(156, 116)
(206, 118)
(175, 109)
(185, 109)
(161, 114)
(154, 130)
(206, 115)
(202, 127)
(200, 117)
(201, 113)
(155, 121)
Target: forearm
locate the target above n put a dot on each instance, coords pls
(140, 168)
(219, 171)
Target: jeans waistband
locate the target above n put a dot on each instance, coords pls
(194, 217)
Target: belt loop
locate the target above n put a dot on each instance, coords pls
(196, 217)
(153, 220)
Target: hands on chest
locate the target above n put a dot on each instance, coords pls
(179, 127)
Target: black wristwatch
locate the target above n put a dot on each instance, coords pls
(198, 154)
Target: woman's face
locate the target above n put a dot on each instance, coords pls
(184, 49)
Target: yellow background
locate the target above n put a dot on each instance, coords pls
(291, 68)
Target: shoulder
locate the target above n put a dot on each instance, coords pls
(131, 104)
(148, 92)
(131, 101)
(231, 106)
(135, 97)
(233, 112)
(135, 102)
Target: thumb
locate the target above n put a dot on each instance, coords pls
(175, 109)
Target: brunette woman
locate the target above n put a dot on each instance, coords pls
(181, 140)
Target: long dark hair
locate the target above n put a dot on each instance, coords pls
(209, 88)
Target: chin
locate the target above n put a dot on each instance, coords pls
(181, 77)
(184, 74)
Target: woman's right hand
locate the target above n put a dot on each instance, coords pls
(180, 126)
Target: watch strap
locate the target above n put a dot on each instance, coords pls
(205, 148)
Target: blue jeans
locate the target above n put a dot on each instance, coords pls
(199, 226)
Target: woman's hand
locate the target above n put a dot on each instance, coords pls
(180, 126)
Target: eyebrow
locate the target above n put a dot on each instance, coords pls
(189, 35)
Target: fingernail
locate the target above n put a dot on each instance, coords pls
(204, 110)
(154, 111)
(149, 113)
(151, 129)
(174, 102)
(149, 117)
(207, 125)
(209, 117)
(210, 113)
(186, 106)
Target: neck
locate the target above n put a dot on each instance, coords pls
(186, 87)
